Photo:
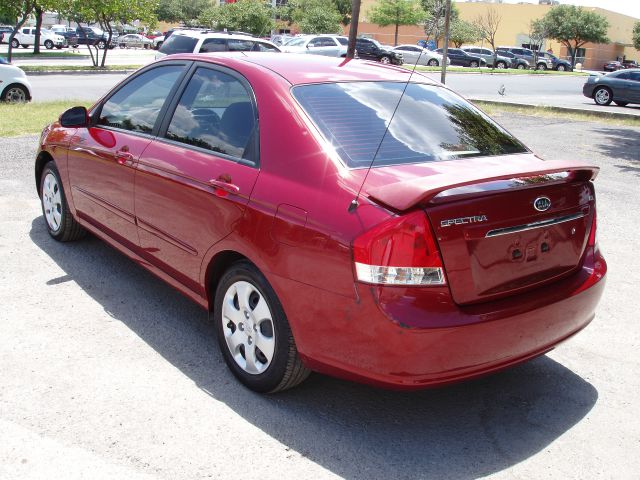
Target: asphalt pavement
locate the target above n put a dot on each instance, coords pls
(109, 373)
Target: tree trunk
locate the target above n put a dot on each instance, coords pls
(353, 28)
(395, 37)
(13, 34)
(36, 42)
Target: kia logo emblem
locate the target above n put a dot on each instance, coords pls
(542, 204)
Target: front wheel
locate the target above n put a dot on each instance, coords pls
(58, 218)
(15, 93)
(474, 64)
(433, 62)
(602, 96)
(48, 44)
(385, 60)
(520, 66)
(253, 332)
(101, 44)
(501, 65)
(15, 43)
(542, 66)
(561, 68)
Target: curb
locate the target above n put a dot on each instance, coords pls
(585, 111)
(79, 72)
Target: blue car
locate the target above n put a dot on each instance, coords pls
(621, 87)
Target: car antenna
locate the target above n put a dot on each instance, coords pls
(354, 203)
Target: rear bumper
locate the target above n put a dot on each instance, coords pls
(376, 339)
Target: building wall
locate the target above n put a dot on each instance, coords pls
(514, 30)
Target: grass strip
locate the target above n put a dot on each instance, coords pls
(497, 71)
(18, 119)
(76, 68)
(45, 55)
(550, 112)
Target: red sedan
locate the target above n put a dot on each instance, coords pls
(332, 216)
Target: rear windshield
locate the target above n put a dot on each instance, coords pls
(430, 124)
(178, 44)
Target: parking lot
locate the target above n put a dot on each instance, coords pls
(109, 373)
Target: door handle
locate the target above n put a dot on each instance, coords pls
(224, 185)
(123, 155)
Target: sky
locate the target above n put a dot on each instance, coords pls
(628, 7)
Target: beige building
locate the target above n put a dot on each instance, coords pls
(514, 29)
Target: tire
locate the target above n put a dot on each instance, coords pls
(561, 68)
(15, 43)
(59, 47)
(24, 46)
(58, 218)
(275, 364)
(473, 64)
(521, 66)
(542, 66)
(48, 44)
(15, 93)
(433, 63)
(158, 45)
(602, 96)
(501, 65)
(386, 60)
(101, 44)
(621, 104)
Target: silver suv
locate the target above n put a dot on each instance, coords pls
(208, 41)
(501, 62)
(526, 54)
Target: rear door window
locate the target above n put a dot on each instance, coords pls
(179, 44)
(213, 45)
(240, 45)
(264, 47)
(430, 123)
(215, 113)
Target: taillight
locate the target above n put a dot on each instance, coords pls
(401, 251)
(593, 235)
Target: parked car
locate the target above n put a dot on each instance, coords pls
(327, 45)
(461, 58)
(95, 36)
(5, 33)
(206, 41)
(158, 41)
(281, 39)
(69, 34)
(370, 49)
(14, 86)
(516, 62)
(464, 254)
(489, 56)
(26, 37)
(557, 63)
(630, 64)
(621, 87)
(414, 53)
(612, 66)
(528, 55)
(134, 40)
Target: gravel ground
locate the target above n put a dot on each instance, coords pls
(108, 373)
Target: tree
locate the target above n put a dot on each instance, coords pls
(107, 13)
(396, 12)
(434, 18)
(19, 11)
(636, 36)
(315, 16)
(461, 32)
(185, 11)
(574, 26)
(538, 31)
(252, 16)
(487, 25)
(344, 9)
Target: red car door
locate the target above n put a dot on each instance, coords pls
(194, 181)
(102, 159)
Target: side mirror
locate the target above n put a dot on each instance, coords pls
(75, 117)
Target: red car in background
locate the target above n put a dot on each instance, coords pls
(331, 216)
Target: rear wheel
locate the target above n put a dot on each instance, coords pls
(542, 66)
(385, 60)
(621, 104)
(15, 43)
(501, 65)
(48, 44)
(433, 62)
(253, 332)
(58, 218)
(473, 64)
(101, 44)
(561, 68)
(602, 96)
(520, 66)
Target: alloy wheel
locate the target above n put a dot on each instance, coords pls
(384, 60)
(602, 96)
(15, 95)
(247, 324)
(52, 202)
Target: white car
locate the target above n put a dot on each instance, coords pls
(206, 41)
(415, 53)
(27, 36)
(14, 86)
(158, 41)
(328, 45)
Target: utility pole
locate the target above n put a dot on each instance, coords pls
(445, 48)
(353, 28)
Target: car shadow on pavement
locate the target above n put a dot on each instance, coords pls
(354, 431)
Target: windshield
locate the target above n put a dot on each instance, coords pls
(178, 44)
(430, 124)
(296, 42)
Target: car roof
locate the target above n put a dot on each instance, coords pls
(212, 34)
(300, 69)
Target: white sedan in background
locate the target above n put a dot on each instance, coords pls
(415, 53)
(14, 86)
(328, 45)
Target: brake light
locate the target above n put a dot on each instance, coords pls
(593, 235)
(401, 251)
